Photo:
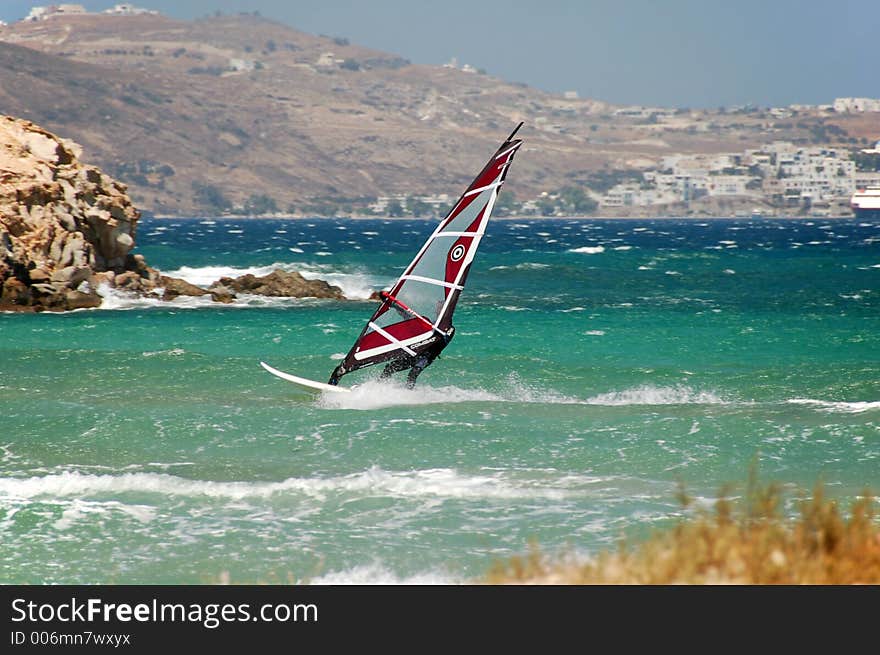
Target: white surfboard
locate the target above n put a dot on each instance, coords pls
(304, 382)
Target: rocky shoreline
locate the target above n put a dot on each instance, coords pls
(67, 229)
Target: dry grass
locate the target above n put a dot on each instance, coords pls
(747, 542)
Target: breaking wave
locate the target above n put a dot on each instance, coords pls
(379, 394)
(118, 299)
(525, 266)
(377, 574)
(842, 407)
(436, 483)
(651, 395)
(354, 284)
(589, 250)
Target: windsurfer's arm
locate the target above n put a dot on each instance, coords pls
(337, 373)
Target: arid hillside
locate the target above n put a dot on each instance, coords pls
(198, 116)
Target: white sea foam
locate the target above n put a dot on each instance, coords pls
(441, 483)
(204, 276)
(377, 574)
(79, 510)
(647, 394)
(174, 352)
(123, 300)
(843, 407)
(119, 299)
(525, 266)
(377, 394)
(354, 284)
(589, 250)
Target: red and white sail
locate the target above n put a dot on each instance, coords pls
(418, 308)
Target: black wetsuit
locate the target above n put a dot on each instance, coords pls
(418, 363)
(415, 364)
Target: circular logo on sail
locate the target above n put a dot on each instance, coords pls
(457, 253)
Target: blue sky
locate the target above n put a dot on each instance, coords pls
(680, 53)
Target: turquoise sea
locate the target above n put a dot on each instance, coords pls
(597, 364)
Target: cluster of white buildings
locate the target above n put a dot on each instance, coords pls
(856, 105)
(44, 13)
(780, 172)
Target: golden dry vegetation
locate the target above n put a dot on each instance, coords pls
(746, 542)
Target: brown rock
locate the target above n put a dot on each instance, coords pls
(280, 283)
(219, 293)
(80, 300)
(130, 281)
(39, 275)
(61, 222)
(71, 276)
(104, 277)
(176, 287)
(15, 292)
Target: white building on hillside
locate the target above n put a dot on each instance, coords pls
(126, 9)
(728, 185)
(43, 13)
(850, 105)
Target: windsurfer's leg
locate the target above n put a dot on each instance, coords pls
(411, 377)
(420, 365)
(395, 366)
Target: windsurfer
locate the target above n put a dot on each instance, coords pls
(418, 363)
(411, 338)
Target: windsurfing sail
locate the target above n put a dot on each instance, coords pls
(417, 310)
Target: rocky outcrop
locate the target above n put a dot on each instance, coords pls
(61, 223)
(66, 229)
(280, 283)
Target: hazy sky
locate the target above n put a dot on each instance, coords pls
(683, 53)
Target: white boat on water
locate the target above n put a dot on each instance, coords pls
(865, 203)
